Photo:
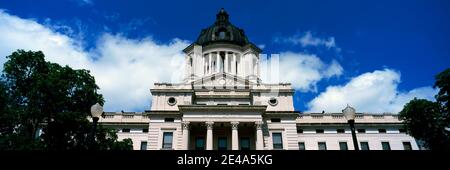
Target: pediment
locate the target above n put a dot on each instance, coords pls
(223, 80)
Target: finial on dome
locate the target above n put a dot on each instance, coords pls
(222, 16)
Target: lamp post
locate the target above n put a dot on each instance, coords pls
(96, 112)
(349, 113)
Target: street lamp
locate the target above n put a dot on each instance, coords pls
(349, 113)
(96, 112)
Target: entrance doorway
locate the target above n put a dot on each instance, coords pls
(222, 143)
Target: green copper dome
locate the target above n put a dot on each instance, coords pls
(222, 31)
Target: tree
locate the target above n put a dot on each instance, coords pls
(8, 118)
(45, 96)
(426, 120)
(443, 83)
(107, 140)
(422, 121)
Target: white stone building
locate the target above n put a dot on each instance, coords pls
(222, 104)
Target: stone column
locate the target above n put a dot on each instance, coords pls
(209, 135)
(202, 63)
(185, 135)
(218, 62)
(225, 64)
(233, 64)
(259, 135)
(258, 59)
(187, 68)
(209, 64)
(234, 136)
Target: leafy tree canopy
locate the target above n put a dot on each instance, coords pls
(38, 95)
(428, 121)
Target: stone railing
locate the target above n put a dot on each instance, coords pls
(171, 86)
(127, 117)
(339, 118)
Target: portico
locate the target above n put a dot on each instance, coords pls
(222, 135)
(218, 128)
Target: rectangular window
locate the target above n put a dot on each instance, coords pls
(275, 120)
(200, 143)
(361, 130)
(402, 130)
(167, 140)
(169, 119)
(386, 145)
(277, 141)
(144, 130)
(301, 146)
(364, 146)
(144, 145)
(125, 130)
(319, 131)
(340, 130)
(222, 143)
(322, 146)
(245, 143)
(343, 146)
(381, 130)
(299, 130)
(407, 146)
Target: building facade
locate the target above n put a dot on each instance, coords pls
(222, 104)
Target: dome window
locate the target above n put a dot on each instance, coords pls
(221, 35)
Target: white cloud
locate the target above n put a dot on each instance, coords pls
(84, 2)
(261, 46)
(127, 69)
(17, 33)
(375, 92)
(303, 71)
(308, 39)
(124, 69)
(334, 69)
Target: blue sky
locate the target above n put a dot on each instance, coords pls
(400, 44)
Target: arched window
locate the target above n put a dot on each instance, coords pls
(238, 60)
(222, 35)
(236, 67)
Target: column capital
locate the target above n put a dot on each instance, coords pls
(209, 125)
(259, 124)
(185, 125)
(259, 136)
(234, 125)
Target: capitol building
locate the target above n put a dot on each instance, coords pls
(222, 104)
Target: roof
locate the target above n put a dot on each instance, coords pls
(222, 31)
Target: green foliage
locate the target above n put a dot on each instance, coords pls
(443, 83)
(423, 121)
(107, 140)
(7, 116)
(426, 120)
(36, 94)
